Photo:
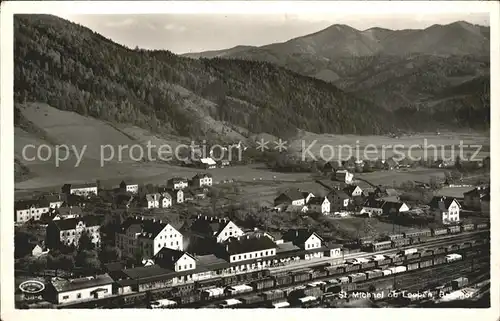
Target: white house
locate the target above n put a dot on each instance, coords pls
(390, 207)
(344, 176)
(177, 195)
(166, 200)
(220, 229)
(132, 188)
(147, 237)
(293, 197)
(152, 200)
(446, 210)
(353, 190)
(246, 248)
(319, 205)
(372, 207)
(202, 180)
(55, 201)
(80, 189)
(82, 289)
(177, 183)
(27, 210)
(208, 163)
(306, 240)
(175, 260)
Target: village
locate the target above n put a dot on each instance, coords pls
(117, 237)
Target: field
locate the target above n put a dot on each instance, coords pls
(60, 127)
(422, 145)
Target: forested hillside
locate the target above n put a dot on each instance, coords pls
(72, 68)
(75, 69)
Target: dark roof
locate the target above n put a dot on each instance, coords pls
(349, 189)
(69, 210)
(316, 200)
(436, 200)
(248, 244)
(299, 236)
(81, 185)
(202, 175)
(146, 272)
(293, 194)
(177, 180)
(63, 285)
(70, 223)
(287, 247)
(337, 193)
(26, 204)
(209, 226)
(479, 191)
(373, 203)
(148, 228)
(166, 255)
(51, 198)
(114, 266)
(388, 206)
(211, 261)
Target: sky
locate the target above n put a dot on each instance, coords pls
(183, 33)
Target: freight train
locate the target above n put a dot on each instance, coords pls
(417, 237)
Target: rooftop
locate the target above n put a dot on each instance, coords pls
(71, 223)
(64, 285)
(248, 244)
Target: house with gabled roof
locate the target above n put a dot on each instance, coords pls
(26, 210)
(147, 236)
(338, 199)
(85, 190)
(175, 260)
(478, 197)
(344, 176)
(306, 240)
(218, 229)
(248, 248)
(353, 190)
(68, 231)
(446, 210)
(292, 197)
(202, 180)
(79, 290)
(177, 183)
(176, 196)
(319, 205)
(372, 207)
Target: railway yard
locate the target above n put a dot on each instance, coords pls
(427, 262)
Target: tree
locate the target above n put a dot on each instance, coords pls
(85, 242)
(109, 254)
(434, 184)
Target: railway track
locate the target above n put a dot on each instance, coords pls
(435, 243)
(216, 301)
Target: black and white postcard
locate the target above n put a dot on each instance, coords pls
(227, 155)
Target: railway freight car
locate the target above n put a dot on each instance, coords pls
(426, 253)
(418, 234)
(368, 265)
(393, 237)
(439, 231)
(454, 229)
(384, 262)
(301, 277)
(283, 280)
(482, 226)
(319, 273)
(373, 274)
(439, 260)
(380, 246)
(440, 250)
(357, 277)
(252, 299)
(467, 227)
(262, 284)
(412, 266)
(400, 242)
(273, 295)
(352, 267)
(335, 270)
(425, 264)
(187, 299)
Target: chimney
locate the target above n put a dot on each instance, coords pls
(161, 221)
(154, 219)
(142, 218)
(227, 247)
(296, 233)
